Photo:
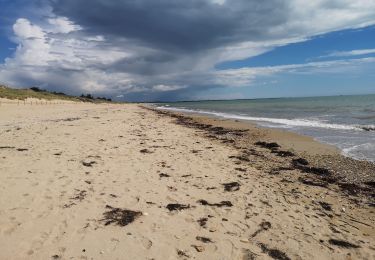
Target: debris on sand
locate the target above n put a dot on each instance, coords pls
(202, 222)
(301, 161)
(182, 253)
(241, 158)
(325, 205)
(370, 183)
(145, 151)
(198, 248)
(70, 119)
(350, 188)
(177, 206)
(22, 149)
(274, 253)
(312, 182)
(225, 203)
(80, 195)
(248, 255)
(265, 225)
(120, 217)
(204, 239)
(342, 243)
(7, 147)
(270, 146)
(231, 186)
(315, 170)
(88, 164)
(301, 164)
(164, 175)
(283, 153)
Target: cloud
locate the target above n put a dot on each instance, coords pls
(146, 49)
(245, 76)
(350, 53)
(23, 29)
(162, 87)
(63, 25)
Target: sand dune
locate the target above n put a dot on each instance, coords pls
(86, 181)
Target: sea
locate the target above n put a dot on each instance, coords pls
(348, 122)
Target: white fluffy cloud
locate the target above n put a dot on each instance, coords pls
(63, 25)
(47, 55)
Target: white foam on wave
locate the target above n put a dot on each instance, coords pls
(359, 151)
(280, 121)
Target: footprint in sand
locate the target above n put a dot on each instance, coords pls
(11, 229)
(146, 243)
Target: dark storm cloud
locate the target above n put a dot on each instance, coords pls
(145, 64)
(176, 24)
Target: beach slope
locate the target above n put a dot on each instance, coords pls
(111, 181)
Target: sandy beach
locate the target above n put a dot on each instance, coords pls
(120, 181)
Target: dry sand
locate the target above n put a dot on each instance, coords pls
(62, 167)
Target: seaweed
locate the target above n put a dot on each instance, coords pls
(145, 151)
(204, 239)
(325, 205)
(202, 222)
(342, 243)
(231, 186)
(283, 153)
(270, 146)
(80, 195)
(225, 203)
(88, 164)
(301, 161)
(265, 225)
(7, 147)
(121, 217)
(177, 206)
(274, 253)
(311, 182)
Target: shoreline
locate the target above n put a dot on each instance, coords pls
(351, 176)
(104, 181)
(258, 121)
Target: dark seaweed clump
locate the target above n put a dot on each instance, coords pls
(302, 165)
(177, 206)
(120, 217)
(202, 222)
(342, 243)
(220, 204)
(271, 146)
(274, 253)
(231, 186)
(325, 205)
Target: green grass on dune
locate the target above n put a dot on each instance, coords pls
(22, 94)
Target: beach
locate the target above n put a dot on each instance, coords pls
(126, 181)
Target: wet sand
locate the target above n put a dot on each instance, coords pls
(86, 181)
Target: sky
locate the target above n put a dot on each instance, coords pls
(171, 50)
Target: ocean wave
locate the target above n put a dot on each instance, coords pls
(360, 151)
(297, 122)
